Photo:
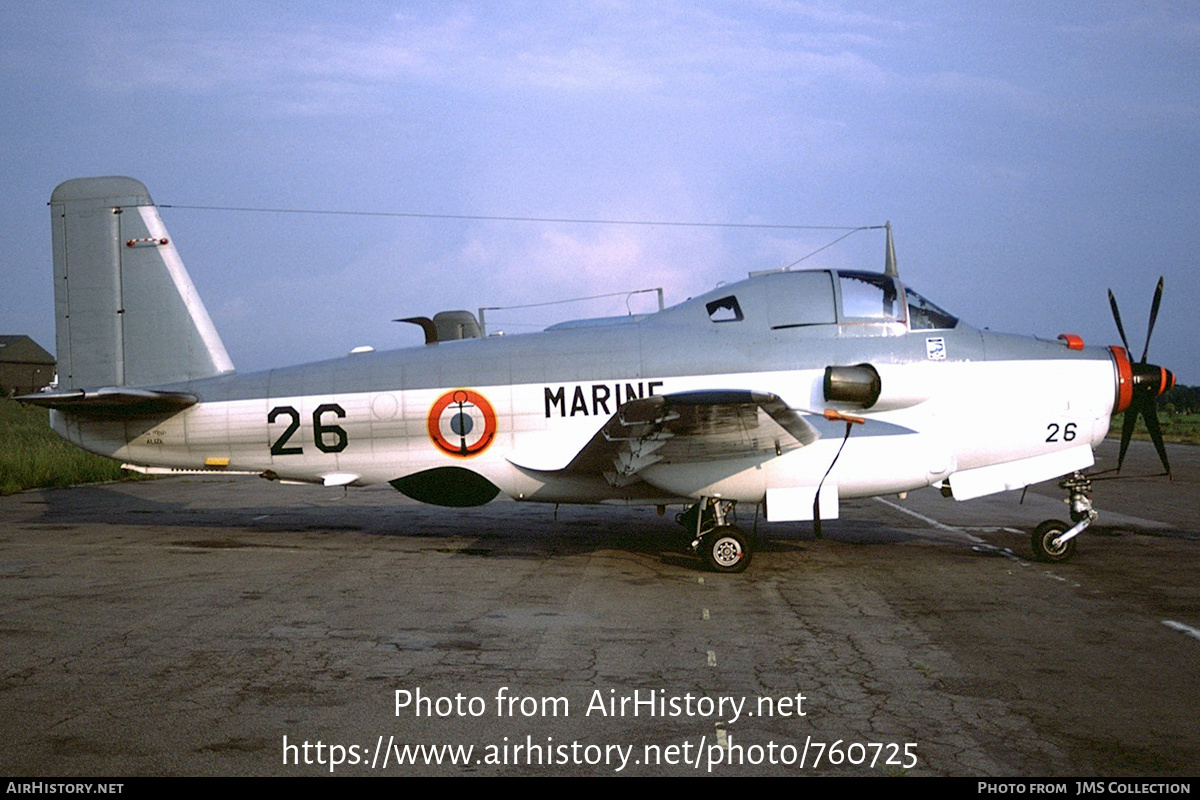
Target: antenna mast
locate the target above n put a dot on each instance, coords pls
(889, 261)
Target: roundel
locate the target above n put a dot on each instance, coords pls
(462, 423)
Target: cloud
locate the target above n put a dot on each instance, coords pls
(305, 66)
(507, 266)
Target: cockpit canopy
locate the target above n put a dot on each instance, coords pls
(821, 297)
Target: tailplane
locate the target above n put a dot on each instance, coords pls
(126, 312)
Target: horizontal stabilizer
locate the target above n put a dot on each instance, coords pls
(112, 401)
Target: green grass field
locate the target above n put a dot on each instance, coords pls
(1176, 428)
(33, 456)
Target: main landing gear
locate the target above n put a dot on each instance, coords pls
(1054, 541)
(724, 547)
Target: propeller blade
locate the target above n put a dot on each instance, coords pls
(1112, 301)
(1150, 414)
(1149, 382)
(1127, 432)
(1153, 317)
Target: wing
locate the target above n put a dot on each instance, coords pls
(687, 427)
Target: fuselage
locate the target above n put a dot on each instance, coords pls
(953, 399)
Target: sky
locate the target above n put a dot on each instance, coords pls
(1028, 155)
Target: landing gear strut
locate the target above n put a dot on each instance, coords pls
(722, 546)
(1054, 541)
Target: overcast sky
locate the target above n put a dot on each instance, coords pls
(1029, 155)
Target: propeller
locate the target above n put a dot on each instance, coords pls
(1140, 384)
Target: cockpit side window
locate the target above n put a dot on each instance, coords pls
(726, 309)
(924, 315)
(868, 297)
(800, 299)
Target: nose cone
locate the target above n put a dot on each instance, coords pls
(1152, 379)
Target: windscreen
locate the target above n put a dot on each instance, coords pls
(924, 315)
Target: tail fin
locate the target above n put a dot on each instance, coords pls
(126, 311)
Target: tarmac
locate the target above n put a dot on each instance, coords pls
(230, 626)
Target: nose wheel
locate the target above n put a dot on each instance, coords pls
(1048, 545)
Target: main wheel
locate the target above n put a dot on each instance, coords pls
(1044, 548)
(725, 549)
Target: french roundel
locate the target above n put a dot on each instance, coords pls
(462, 423)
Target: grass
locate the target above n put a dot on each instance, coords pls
(34, 457)
(1176, 428)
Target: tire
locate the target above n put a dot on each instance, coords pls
(1042, 540)
(726, 549)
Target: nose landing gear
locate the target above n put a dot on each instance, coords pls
(1054, 541)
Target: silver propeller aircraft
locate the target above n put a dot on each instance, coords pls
(790, 389)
